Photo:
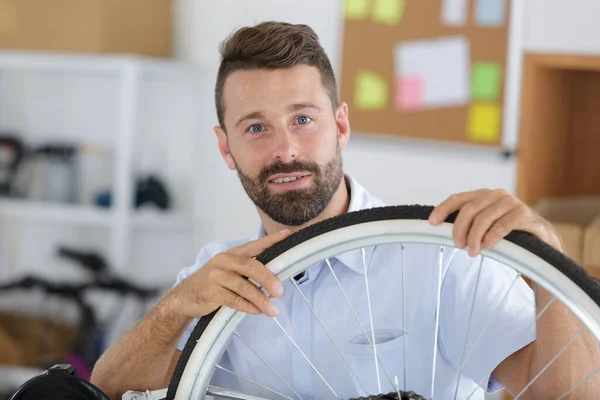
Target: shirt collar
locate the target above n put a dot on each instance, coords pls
(360, 199)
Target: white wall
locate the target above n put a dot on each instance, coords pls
(398, 171)
(563, 26)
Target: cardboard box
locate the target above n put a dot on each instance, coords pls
(88, 26)
(571, 216)
(10, 353)
(26, 341)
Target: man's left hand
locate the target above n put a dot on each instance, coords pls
(487, 216)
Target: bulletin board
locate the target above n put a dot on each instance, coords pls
(432, 69)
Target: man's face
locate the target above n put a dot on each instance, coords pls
(285, 141)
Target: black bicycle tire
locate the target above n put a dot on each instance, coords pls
(525, 240)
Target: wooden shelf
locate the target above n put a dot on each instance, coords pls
(559, 139)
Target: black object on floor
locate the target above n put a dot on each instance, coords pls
(58, 383)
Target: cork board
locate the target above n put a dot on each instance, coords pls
(440, 43)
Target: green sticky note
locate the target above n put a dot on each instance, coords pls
(486, 81)
(370, 91)
(356, 9)
(388, 12)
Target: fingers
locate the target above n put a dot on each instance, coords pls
(485, 218)
(464, 221)
(452, 204)
(505, 225)
(252, 269)
(488, 222)
(256, 247)
(245, 264)
(248, 293)
(234, 300)
(231, 279)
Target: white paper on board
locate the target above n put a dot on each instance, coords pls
(455, 12)
(442, 64)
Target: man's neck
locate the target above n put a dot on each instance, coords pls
(339, 204)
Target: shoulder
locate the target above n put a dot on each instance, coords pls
(207, 252)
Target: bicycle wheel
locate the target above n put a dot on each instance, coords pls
(371, 232)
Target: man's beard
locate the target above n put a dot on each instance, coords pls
(299, 206)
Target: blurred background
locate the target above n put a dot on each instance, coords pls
(110, 177)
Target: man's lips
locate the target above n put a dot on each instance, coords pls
(286, 178)
(286, 182)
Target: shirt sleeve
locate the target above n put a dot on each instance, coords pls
(496, 320)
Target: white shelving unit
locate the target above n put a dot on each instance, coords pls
(130, 73)
(86, 215)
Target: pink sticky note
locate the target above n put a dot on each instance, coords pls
(410, 93)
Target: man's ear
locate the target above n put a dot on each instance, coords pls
(343, 124)
(224, 147)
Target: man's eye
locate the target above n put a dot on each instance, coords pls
(256, 128)
(303, 120)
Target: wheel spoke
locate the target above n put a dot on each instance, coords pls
(550, 362)
(362, 250)
(266, 363)
(468, 327)
(328, 335)
(437, 317)
(358, 320)
(403, 319)
(223, 393)
(496, 309)
(487, 325)
(306, 358)
(587, 378)
(252, 382)
(546, 307)
(517, 339)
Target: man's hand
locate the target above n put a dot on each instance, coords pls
(487, 216)
(222, 282)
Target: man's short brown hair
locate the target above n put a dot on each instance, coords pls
(272, 45)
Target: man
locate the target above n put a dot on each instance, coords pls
(282, 129)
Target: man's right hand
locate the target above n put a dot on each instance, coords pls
(221, 282)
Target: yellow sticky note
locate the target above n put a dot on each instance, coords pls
(484, 123)
(388, 12)
(356, 9)
(370, 91)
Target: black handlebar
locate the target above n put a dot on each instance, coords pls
(73, 290)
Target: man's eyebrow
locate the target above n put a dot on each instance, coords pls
(300, 106)
(252, 115)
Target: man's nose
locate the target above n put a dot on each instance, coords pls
(286, 146)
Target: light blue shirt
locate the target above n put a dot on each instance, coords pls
(511, 328)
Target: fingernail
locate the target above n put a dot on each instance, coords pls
(273, 311)
(458, 244)
(278, 289)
